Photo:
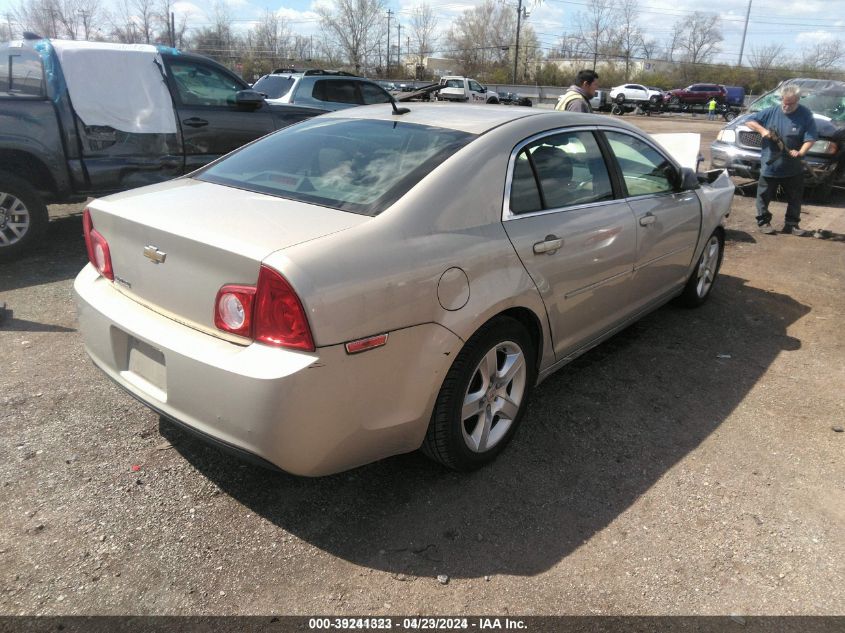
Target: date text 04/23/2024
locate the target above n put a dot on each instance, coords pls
(416, 623)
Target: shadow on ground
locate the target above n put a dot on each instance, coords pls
(59, 256)
(598, 434)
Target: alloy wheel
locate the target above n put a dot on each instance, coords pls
(494, 396)
(14, 219)
(708, 266)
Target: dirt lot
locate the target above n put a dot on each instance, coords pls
(690, 465)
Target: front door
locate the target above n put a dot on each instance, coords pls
(211, 123)
(574, 237)
(668, 221)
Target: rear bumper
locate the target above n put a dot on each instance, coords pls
(307, 413)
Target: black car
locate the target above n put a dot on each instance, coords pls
(737, 147)
(512, 98)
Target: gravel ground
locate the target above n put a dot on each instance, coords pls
(690, 465)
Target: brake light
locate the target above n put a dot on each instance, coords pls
(233, 309)
(279, 316)
(98, 248)
(269, 313)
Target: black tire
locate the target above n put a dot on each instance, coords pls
(704, 275)
(617, 110)
(23, 216)
(730, 115)
(653, 100)
(449, 436)
(674, 101)
(493, 101)
(620, 99)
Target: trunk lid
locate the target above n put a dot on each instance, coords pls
(175, 244)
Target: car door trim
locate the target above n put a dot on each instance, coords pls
(597, 284)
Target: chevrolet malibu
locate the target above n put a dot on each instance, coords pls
(375, 281)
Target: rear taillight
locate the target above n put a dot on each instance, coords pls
(279, 316)
(270, 313)
(98, 248)
(233, 309)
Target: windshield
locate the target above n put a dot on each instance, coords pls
(355, 165)
(829, 102)
(273, 86)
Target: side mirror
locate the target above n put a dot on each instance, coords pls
(249, 99)
(688, 179)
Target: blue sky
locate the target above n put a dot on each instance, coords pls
(772, 21)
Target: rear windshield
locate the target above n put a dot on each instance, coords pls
(273, 87)
(356, 165)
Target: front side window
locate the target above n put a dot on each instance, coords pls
(356, 165)
(644, 170)
(559, 171)
(199, 85)
(475, 86)
(21, 73)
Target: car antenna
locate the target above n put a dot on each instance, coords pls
(396, 110)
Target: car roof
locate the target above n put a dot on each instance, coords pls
(474, 119)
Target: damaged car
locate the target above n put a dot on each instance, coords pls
(737, 147)
(394, 279)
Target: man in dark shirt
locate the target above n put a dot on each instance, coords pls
(797, 128)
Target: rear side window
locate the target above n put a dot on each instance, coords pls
(559, 171)
(273, 86)
(21, 73)
(358, 165)
(335, 91)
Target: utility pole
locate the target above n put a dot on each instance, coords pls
(744, 30)
(398, 46)
(172, 29)
(389, 13)
(516, 53)
(84, 15)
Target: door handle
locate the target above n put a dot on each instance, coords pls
(647, 219)
(195, 122)
(551, 244)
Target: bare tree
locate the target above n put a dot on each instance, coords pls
(823, 55)
(423, 26)
(482, 36)
(354, 26)
(763, 58)
(629, 35)
(271, 37)
(648, 46)
(596, 26)
(673, 43)
(699, 36)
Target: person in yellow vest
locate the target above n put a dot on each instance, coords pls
(711, 109)
(577, 97)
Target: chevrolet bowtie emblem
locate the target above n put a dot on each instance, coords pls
(152, 252)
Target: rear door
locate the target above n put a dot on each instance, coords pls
(211, 123)
(575, 237)
(668, 221)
